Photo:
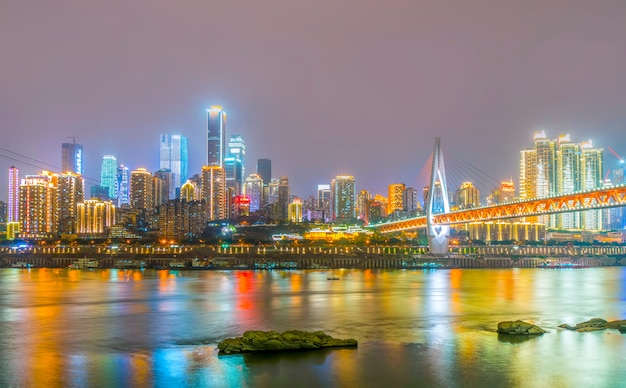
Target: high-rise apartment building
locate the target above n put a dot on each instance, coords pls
(95, 217)
(361, 203)
(554, 167)
(173, 156)
(504, 193)
(592, 175)
(72, 158)
(164, 188)
(13, 206)
(214, 192)
(295, 210)
(38, 206)
(141, 190)
(71, 192)
(216, 136)
(410, 201)
(108, 175)
(342, 193)
(264, 169)
(395, 197)
(323, 202)
(466, 196)
(253, 189)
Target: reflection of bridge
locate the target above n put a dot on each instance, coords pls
(438, 224)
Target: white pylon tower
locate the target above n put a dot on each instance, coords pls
(438, 235)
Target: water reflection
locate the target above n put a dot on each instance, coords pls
(415, 327)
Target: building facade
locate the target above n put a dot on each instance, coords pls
(342, 191)
(72, 158)
(216, 136)
(173, 156)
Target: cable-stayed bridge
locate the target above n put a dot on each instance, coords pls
(438, 224)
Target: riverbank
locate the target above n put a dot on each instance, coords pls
(285, 260)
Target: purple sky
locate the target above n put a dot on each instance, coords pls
(321, 88)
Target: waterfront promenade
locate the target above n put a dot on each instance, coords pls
(312, 257)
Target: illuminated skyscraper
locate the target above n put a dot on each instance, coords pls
(72, 158)
(568, 179)
(234, 164)
(504, 193)
(214, 192)
(295, 210)
(141, 194)
(71, 192)
(395, 197)
(216, 136)
(592, 175)
(253, 189)
(362, 199)
(467, 196)
(38, 206)
(342, 197)
(173, 156)
(323, 202)
(561, 167)
(108, 175)
(122, 186)
(13, 207)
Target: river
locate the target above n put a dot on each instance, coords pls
(431, 328)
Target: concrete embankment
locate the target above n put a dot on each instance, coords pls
(299, 261)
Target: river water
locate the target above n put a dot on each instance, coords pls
(123, 328)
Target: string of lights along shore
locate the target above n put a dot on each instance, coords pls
(179, 203)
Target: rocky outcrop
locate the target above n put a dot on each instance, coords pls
(257, 341)
(519, 327)
(595, 324)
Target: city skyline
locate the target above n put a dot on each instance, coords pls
(303, 87)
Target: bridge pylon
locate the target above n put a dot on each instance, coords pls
(436, 203)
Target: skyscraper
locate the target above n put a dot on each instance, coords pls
(72, 158)
(216, 136)
(173, 156)
(122, 186)
(108, 175)
(342, 196)
(561, 166)
(253, 189)
(214, 192)
(264, 169)
(141, 195)
(395, 197)
(71, 192)
(592, 171)
(466, 196)
(234, 164)
(38, 206)
(13, 209)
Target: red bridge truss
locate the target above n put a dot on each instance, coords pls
(588, 200)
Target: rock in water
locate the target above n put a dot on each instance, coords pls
(593, 324)
(519, 327)
(255, 341)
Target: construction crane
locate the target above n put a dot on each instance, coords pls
(621, 160)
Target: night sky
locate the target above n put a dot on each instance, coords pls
(321, 88)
